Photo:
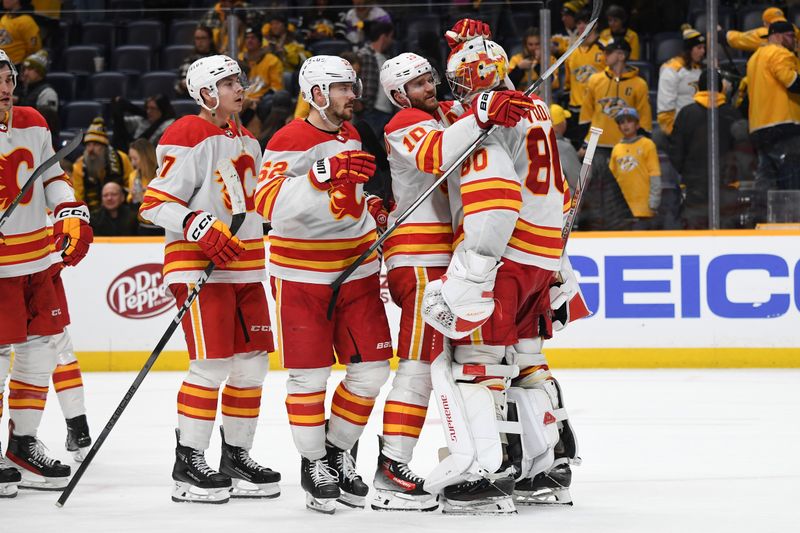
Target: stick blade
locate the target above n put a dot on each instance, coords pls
(232, 183)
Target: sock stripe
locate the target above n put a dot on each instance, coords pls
(26, 396)
(351, 407)
(198, 402)
(403, 419)
(306, 409)
(241, 402)
(67, 377)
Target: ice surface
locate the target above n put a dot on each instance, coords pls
(663, 450)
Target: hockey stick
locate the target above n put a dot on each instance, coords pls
(232, 183)
(41, 169)
(337, 283)
(583, 182)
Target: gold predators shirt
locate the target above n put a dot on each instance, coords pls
(584, 62)
(770, 70)
(632, 164)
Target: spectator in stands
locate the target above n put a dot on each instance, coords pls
(19, 33)
(283, 44)
(618, 29)
(634, 164)
(688, 149)
(99, 164)
(677, 80)
(132, 122)
(216, 19)
(570, 163)
(773, 72)
(669, 211)
(377, 107)
(203, 47)
(264, 73)
(525, 67)
(586, 60)
(569, 17)
(143, 160)
(751, 40)
(618, 86)
(36, 92)
(360, 14)
(114, 218)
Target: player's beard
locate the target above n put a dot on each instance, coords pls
(427, 102)
(340, 114)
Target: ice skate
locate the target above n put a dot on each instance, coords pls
(249, 479)
(319, 481)
(78, 440)
(353, 489)
(194, 480)
(397, 488)
(551, 488)
(481, 497)
(37, 470)
(9, 478)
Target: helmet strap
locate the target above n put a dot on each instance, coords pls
(321, 109)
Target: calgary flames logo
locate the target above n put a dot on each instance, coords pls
(346, 202)
(242, 164)
(9, 180)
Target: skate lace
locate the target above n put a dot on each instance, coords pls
(348, 466)
(245, 458)
(322, 472)
(199, 462)
(405, 471)
(38, 453)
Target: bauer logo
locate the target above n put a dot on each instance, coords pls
(139, 292)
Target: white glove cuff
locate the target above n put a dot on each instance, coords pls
(199, 226)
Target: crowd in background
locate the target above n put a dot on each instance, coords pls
(640, 76)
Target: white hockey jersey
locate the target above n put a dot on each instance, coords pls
(316, 234)
(419, 149)
(25, 143)
(187, 180)
(522, 206)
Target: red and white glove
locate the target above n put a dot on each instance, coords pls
(378, 211)
(562, 292)
(213, 236)
(502, 108)
(466, 29)
(72, 232)
(352, 166)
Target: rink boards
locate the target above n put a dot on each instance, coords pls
(659, 299)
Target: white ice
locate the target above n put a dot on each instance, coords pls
(663, 450)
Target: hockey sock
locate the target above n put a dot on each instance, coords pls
(307, 420)
(68, 382)
(25, 405)
(402, 424)
(349, 414)
(197, 409)
(240, 408)
(30, 378)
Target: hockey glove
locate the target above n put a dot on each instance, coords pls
(378, 211)
(502, 108)
(352, 166)
(562, 292)
(463, 299)
(466, 29)
(213, 236)
(72, 232)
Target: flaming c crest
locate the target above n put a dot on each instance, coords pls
(9, 179)
(346, 202)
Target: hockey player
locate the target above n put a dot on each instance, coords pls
(227, 327)
(311, 189)
(419, 148)
(495, 303)
(31, 314)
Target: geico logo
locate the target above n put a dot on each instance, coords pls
(730, 285)
(260, 328)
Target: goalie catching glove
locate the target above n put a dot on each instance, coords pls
(466, 29)
(213, 236)
(463, 299)
(72, 232)
(352, 166)
(502, 108)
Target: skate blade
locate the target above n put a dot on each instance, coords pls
(244, 489)
(385, 500)
(33, 481)
(492, 506)
(351, 500)
(324, 506)
(8, 490)
(79, 455)
(186, 492)
(543, 497)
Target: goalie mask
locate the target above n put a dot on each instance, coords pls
(476, 66)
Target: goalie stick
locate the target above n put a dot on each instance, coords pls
(234, 186)
(583, 182)
(597, 6)
(41, 169)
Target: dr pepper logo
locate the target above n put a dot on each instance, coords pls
(139, 292)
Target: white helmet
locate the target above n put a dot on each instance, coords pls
(5, 59)
(476, 66)
(322, 71)
(205, 73)
(398, 71)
